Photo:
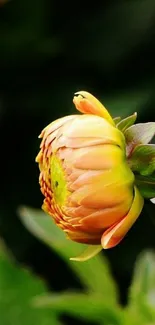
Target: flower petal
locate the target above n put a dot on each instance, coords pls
(104, 218)
(55, 125)
(88, 253)
(85, 126)
(83, 236)
(95, 189)
(88, 104)
(98, 157)
(100, 196)
(112, 236)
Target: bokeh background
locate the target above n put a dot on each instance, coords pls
(49, 50)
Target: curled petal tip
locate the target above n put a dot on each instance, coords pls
(110, 238)
(89, 252)
(135, 114)
(88, 104)
(80, 93)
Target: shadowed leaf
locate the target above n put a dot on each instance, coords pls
(142, 159)
(146, 185)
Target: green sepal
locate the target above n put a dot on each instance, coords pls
(141, 133)
(117, 119)
(146, 185)
(142, 159)
(126, 122)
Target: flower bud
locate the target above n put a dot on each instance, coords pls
(85, 177)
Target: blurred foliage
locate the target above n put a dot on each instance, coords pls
(49, 50)
(17, 288)
(43, 227)
(28, 301)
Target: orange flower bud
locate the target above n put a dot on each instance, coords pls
(84, 175)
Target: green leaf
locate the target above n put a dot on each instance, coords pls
(146, 185)
(94, 273)
(142, 159)
(17, 288)
(89, 307)
(142, 290)
(141, 133)
(127, 122)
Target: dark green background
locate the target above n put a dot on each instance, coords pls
(48, 51)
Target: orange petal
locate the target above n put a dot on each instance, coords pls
(83, 237)
(84, 126)
(96, 189)
(88, 104)
(112, 236)
(98, 157)
(102, 219)
(100, 196)
(55, 125)
(78, 212)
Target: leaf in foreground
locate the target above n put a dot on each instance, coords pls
(89, 307)
(95, 273)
